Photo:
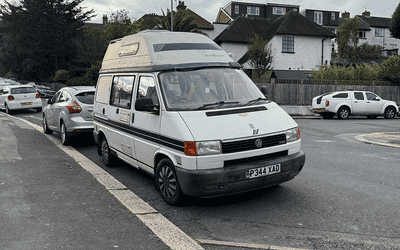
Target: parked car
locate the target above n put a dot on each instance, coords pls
(7, 82)
(70, 112)
(346, 103)
(18, 97)
(44, 91)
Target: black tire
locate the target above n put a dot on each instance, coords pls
(64, 135)
(8, 111)
(343, 113)
(46, 129)
(372, 116)
(106, 154)
(167, 182)
(39, 110)
(390, 113)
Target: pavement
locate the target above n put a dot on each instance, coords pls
(52, 197)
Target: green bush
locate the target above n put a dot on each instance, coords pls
(61, 76)
(390, 69)
(9, 75)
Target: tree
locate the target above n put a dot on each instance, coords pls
(119, 25)
(259, 55)
(182, 22)
(348, 38)
(390, 69)
(40, 36)
(395, 23)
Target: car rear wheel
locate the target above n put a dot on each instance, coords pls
(65, 137)
(343, 113)
(167, 182)
(46, 129)
(390, 113)
(106, 154)
(8, 111)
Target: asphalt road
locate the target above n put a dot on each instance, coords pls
(346, 197)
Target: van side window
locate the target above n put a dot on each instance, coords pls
(121, 91)
(359, 95)
(147, 89)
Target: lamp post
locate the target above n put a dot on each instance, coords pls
(172, 17)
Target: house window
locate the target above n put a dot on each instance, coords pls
(361, 34)
(287, 44)
(318, 17)
(333, 17)
(393, 46)
(253, 10)
(236, 9)
(378, 32)
(279, 11)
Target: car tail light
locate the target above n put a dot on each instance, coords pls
(190, 148)
(37, 96)
(326, 103)
(74, 108)
(10, 98)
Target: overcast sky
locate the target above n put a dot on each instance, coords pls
(208, 9)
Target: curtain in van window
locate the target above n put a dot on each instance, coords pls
(121, 91)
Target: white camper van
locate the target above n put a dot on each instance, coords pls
(178, 107)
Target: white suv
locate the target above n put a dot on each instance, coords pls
(346, 103)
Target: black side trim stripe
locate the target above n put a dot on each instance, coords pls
(235, 111)
(153, 137)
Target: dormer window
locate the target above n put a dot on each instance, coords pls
(236, 9)
(253, 10)
(318, 17)
(333, 17)
(279, 11)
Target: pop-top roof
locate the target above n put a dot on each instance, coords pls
(153, 50)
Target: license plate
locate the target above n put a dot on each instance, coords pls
(26, 103)
(263, 171)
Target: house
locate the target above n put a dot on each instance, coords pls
(330, 20)
(272, 11)
(376, 32)
(297, 43)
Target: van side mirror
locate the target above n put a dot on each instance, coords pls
(49, 101)
(146, 104)
(264, 91)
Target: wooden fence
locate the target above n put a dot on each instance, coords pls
(302, 93)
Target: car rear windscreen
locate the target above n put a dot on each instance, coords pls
(22, 90)
(86, 97)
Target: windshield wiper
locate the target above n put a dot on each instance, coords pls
(220, 103)
(255, 100)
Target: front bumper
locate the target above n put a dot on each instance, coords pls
(232, 179)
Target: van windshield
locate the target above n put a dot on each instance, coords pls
(209, 88)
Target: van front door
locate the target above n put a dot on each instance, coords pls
(147, 123)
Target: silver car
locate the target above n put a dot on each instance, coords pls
(69, 111)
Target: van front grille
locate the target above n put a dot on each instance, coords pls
(255, 159)
(250, 144)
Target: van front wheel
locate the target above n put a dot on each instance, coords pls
(167, 182)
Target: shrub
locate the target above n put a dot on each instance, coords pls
(61, 76)
(390, 69)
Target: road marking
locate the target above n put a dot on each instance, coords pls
(37, 118)
(247, 245)
(321, 141)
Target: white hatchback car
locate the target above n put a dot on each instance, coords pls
(19, 97)
(69, 111)
(346, 103)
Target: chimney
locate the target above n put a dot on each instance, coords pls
(181, 6)
(366, 13)
(346, 15)
(105, 19)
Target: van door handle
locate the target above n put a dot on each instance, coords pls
(355, 102)
(117, 111)
(104, 111)
(133, 118)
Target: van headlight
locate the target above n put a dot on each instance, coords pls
(203, 148)
(292, 134)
